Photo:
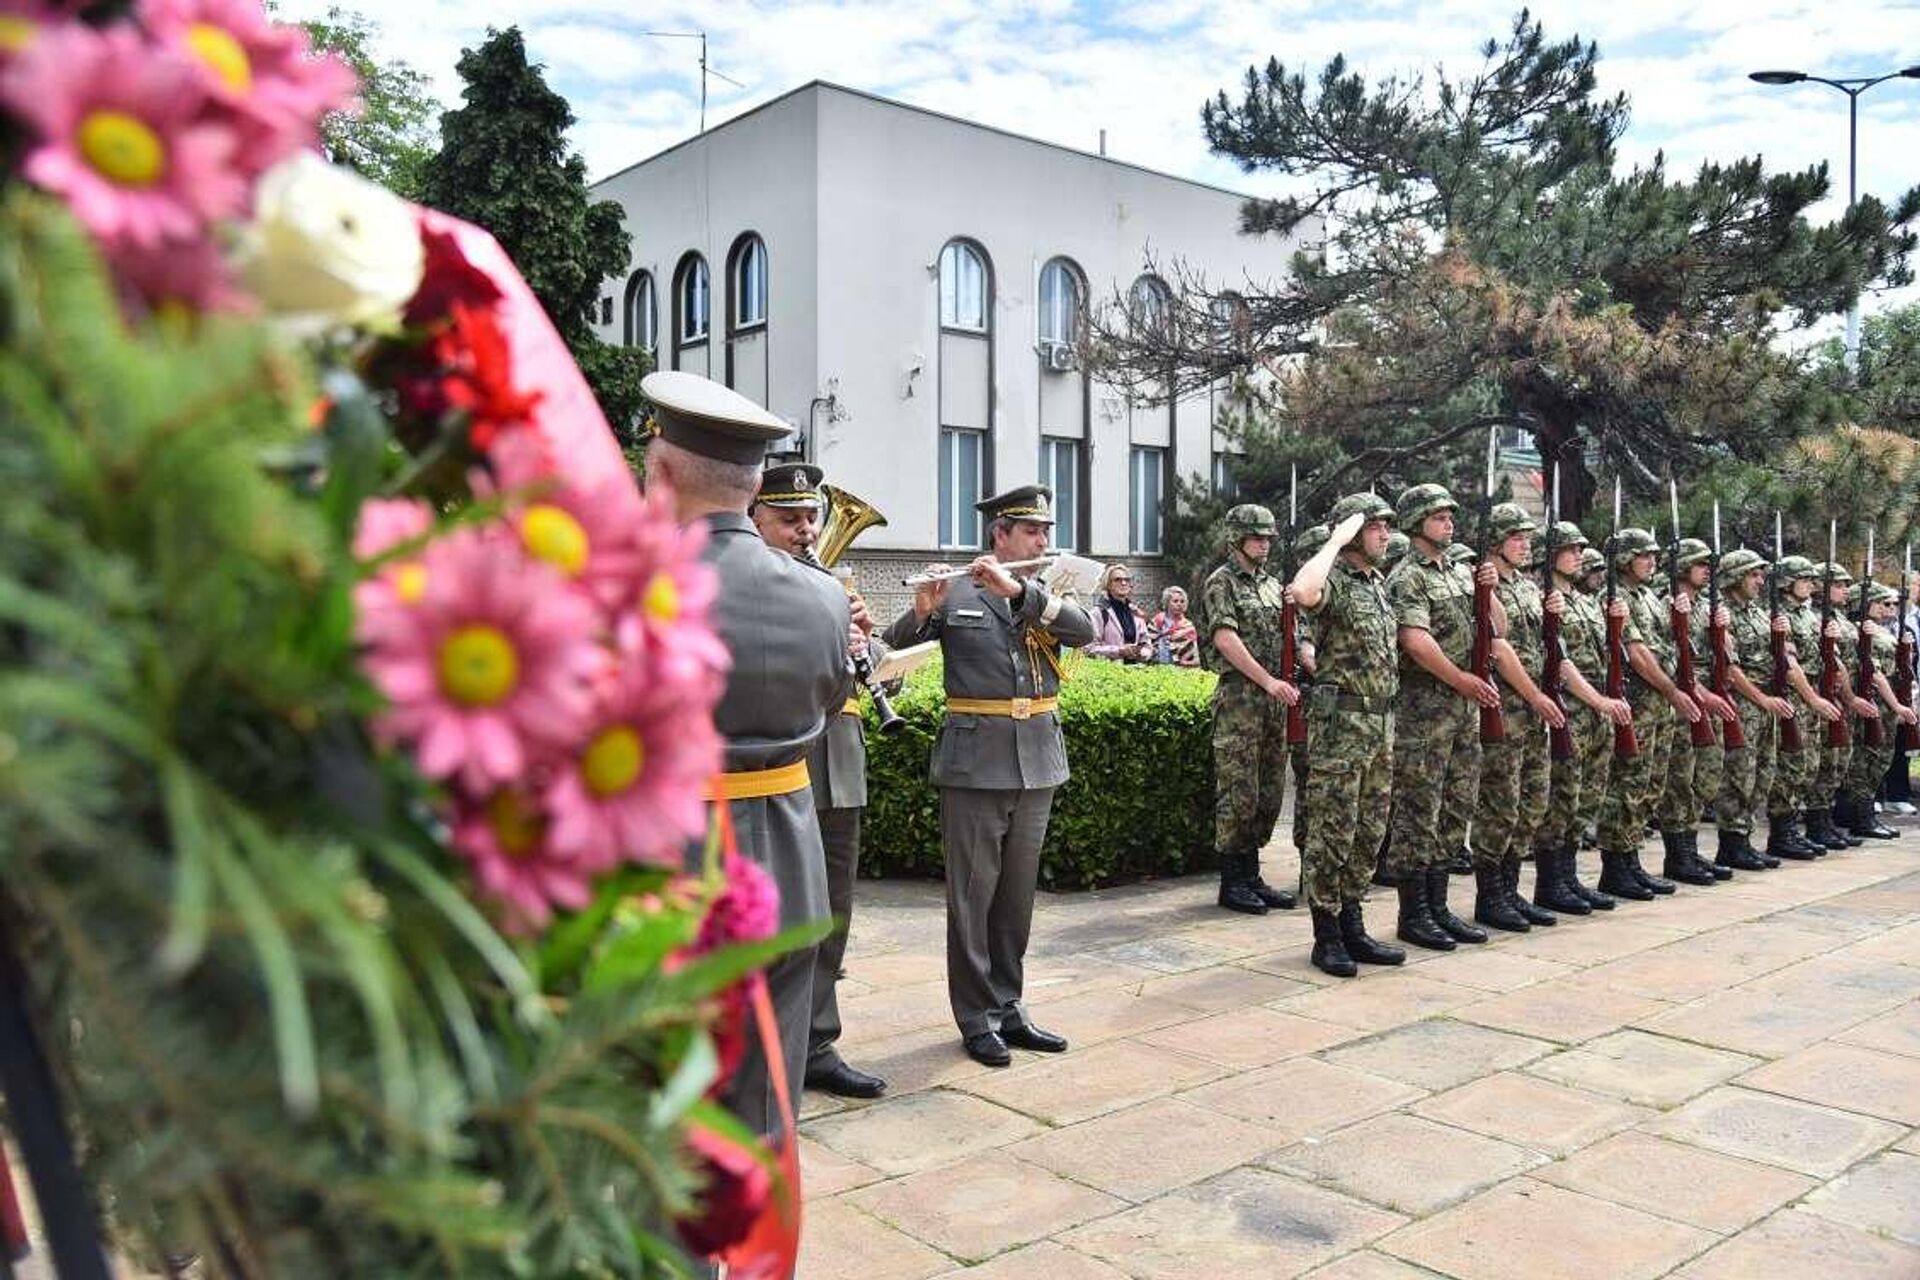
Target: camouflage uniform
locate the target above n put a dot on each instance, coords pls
(1576, 783)
(1593, 736)
(1631, 784)
(1749, 770)
(1512, 801)
(1310, 541)
(1835, 760)
(1439, 735)
(1693, 772)
(1793, 770)
(1249, 726)
(1870, 762)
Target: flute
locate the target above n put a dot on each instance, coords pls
(921, 579)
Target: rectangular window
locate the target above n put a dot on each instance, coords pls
(1060, 468)
(1224, 485)
(1147, 483)
(959, 487)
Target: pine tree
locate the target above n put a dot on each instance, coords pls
(504, 164)
(390, 138)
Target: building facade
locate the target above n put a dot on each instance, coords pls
(907, 288)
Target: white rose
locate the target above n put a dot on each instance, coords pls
(328, 248)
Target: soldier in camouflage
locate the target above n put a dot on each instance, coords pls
(1693, 772)
(1512, 802)
(1870, 761)
(1439, 742)
(1457, 806)
(1793, 770)
(1350, 723)
(1240, 606)
(1309, 541)
(1834, 759)
(1749, 769)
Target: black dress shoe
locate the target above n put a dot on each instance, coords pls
(1024, 1035)
(843, 1081)
(988, 1049)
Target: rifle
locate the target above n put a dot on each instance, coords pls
(1903, 656)
(1680, 624)
(1290, 616)
(1790, 739)
(1552, 682)
(1732, 735)
(1838, 734)
(1863, 655)
(1493, 726)
(1625, 745)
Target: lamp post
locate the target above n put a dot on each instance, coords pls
(1853, 87)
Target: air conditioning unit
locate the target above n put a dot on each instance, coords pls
(1058, 356)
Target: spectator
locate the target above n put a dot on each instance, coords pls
(1176, 629)
(1121, 629)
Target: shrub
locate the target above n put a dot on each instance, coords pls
(1139, 802)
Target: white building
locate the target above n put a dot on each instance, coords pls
(905, 288)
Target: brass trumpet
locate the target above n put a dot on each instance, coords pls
(846, 518)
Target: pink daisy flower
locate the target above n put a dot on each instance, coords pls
(492, 670)
(587, 533)
(632, 793)
(22, 21)
(182, 279)
(504, 840)
(265, 71)
(120, 135)
(672, 594)
(747, 908)
(384, 600)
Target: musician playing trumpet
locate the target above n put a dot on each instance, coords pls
(997, 760)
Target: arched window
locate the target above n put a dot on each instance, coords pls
(1060, 294)
(691, 300)
(749, 272)
(1150, 305)
(642, 315)
(964, 291)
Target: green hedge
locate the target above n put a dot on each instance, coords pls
(1139, 803)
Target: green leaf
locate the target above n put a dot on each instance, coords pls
(186, 935)
(699, 1067)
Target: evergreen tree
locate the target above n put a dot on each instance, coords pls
(504, 164)
(390, 138)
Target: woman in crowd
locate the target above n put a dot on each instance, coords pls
(1123, 633)
(1177, 629)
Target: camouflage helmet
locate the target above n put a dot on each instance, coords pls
(1838, 572)
(1693, 552)
(1884, 594)
(1508, 519)
(1421, 501)
(1793, 568)
(1568, 534)
(1592, 561)
(1460, 553)
(1629, 543)
(1311, 540)
(1250, 520)
(1398, 544)
(1736, 565)
(1370, 505)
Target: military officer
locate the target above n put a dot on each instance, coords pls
(997, 760)
(1439, 749)
(787, 512)
(786, 628)
(1240, 609)
(1351, 727)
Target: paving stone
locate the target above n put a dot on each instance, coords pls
(1240, 935)
(1293, 963)
(1881, 1196)
(1438, 1053)
(1502, 1235)
(1148, 1149)
(1757, 1022)
(1053, 1261)
(1094, 1017)
(1668, 973)
(1084, 1083)
(910, 1060)
(1848, 1077)
(1303, 1096)
(1169, 955)
(902, 968)
(1378, 1000)
(1368, 1265)
(1781, 1131)
(1499, 969)
(1245, 1038)
(888, 1011)
(1075, 973)
(837, 1240)
(1589, 941)
(1677, 1181)
(825, 1172)
(1533, 1113)
(1852, 982)
(1222, 987)
(983, 1205)
(1249, 1222)
(1638, 1066)
(1893, 946)
(1560, 1011)
(1896, 1032)
(1797, 1243)
(1404, 1163)
(901, 1135)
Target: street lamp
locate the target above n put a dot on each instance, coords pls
(1853, 87)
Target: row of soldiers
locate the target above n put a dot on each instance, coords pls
(1395, 772)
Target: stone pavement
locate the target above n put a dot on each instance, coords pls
(1718, 1085)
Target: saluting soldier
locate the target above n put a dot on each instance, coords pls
(1351, 725)
(786, 628)
(1439, 748)
(788, 512)
(1310, 540)
(1870, 763)
(998, 759)
(1240, 608)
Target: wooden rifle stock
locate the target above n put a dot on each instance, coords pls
(1625, 745)
(1790, 739)
(1871, 732)
(1559, 741)
(1678, 623)
(1493, 725)
(1838, 735)
(1290, 669)
(1732, 735)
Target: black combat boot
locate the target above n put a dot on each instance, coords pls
(1363, 949)
(1617, 878)
(1780, 841)
(1533, 915)
(1490, 904)
(1277, 899)
(1329, 951)
(1236, 894)
(1452, 925)
(1462, 864)
(1820, 830)
(1552, 868)
(1599, 901)
(1676, 865)
(1842, 812)
(1416, 923)
(1863, 822)
(1719, 873)
(1799, 836)
(1651, 882)
(1736, 852)
(1382, 873)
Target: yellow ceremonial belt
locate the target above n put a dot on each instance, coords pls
(852, 708)
(1018, 708)
(756, 784)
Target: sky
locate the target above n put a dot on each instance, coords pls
(1063, 70)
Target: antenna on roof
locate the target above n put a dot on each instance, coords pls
(705, 70)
